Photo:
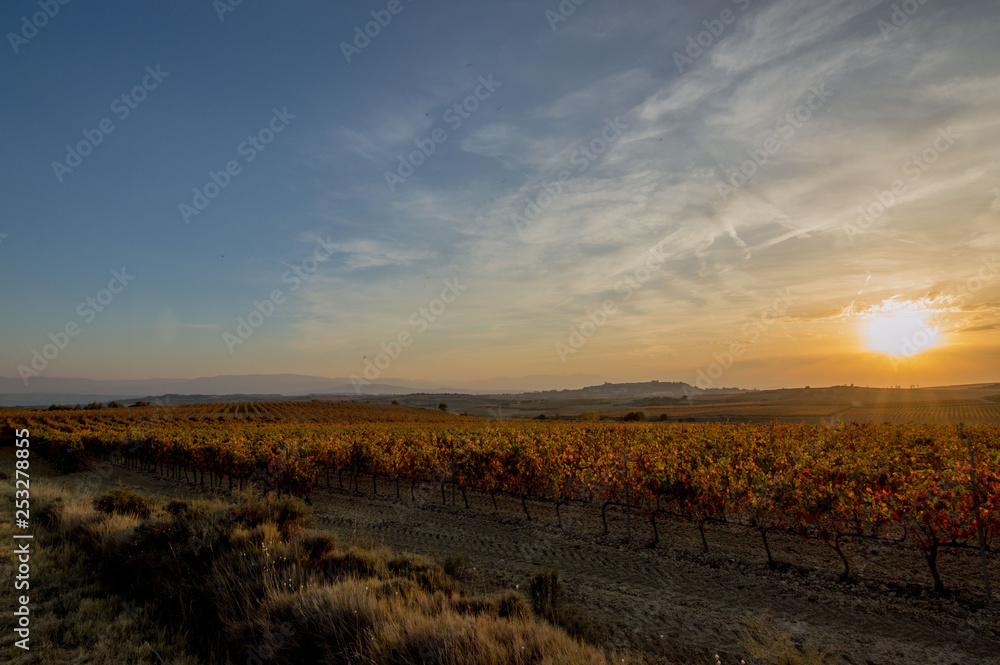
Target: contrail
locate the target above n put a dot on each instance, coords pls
(511, 166)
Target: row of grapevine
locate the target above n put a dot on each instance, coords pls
(937, 413)
(904, 483)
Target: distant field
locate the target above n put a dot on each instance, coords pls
(931, 414)
(209, 414)
(752, 411)
(940, 414)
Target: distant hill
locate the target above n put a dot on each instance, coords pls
(42, 391)
(637, 390)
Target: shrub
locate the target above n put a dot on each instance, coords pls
(290, 514)
(454, 566)
(124, 501)
(178, 507)
(317, 544)
(543, 590)
(508, 605)
(634, 416)
(427, 575)
(511, 605)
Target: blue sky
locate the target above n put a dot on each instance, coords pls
(530, 278)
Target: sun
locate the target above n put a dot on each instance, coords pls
(900, 329)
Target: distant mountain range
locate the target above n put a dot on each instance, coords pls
(43, 391)
(646, 389)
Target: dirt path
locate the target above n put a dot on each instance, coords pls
(671, 602)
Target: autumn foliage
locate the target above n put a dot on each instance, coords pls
(911, 484)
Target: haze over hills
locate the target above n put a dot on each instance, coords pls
(53, 390)
(533, 393)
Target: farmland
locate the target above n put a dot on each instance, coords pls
(948, 405)
(741, 490)
(970, 412)
(900, 414)
(912, 483)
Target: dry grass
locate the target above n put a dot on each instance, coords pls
(146, 581)
(73, 618)
(768, 644)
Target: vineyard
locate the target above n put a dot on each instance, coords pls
(977, 412)
(313, 411)
(925, 487)
(972, 412)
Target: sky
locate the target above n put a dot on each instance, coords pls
(727, 193)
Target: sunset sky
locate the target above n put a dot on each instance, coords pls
(762, 193)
